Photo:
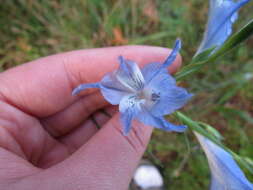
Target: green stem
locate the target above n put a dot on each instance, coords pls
(195, 126)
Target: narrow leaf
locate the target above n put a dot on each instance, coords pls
(202, 56)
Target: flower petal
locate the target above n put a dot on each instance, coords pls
(126, 119)
(130, 101)
(112, 90)
(110, 87)
(173, 54)
(222, 15)
(158, 122)
(172, 127)
(82, 87)
(226, 174)
(129, 108)
(153, 69)
(170, 98)
(129, 75)
(215, 184)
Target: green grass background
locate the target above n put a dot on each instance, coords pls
(223, 91)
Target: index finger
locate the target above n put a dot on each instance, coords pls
(43, 87)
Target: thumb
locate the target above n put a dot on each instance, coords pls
(107, 161)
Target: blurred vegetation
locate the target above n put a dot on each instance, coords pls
(223, 92)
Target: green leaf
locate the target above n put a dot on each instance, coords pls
(234, 112)
(195, 126)
(203, 55)
(188, 70)
(151, 37)
(212, 130)
(229, 94)
(248, 160)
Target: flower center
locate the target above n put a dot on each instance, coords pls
(149, 96)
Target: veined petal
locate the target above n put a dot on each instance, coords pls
(161, 85)
(82, 87)
(171, 100)
(153, 69)
(112, 90)
(158, 122)
(129, 75)
(169, 96)
(222, 15)
(226, 174)
(129, 108)
(130, 101)
(126, 120)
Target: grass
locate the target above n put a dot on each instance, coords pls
(224, 94)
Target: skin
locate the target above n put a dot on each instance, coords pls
(48, 138)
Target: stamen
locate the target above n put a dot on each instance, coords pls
(155, 97)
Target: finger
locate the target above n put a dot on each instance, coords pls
(82, 134)
(89, 128)
(64, 121)
(43, 87)
(104, 115)
(24, 136)
(106, 161)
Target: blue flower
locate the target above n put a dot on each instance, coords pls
(225, 173)
(145, 94)
(222, 15)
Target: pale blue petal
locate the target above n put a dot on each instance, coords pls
(132, 102)
(161, 85)
(129, 108)
(170, 96)
(110, 87)
(172, 127)
(173, 54)
(112, 90)
(215, 184)
(129, 75)
(126, 120)
(153, 69)
(222, 15)
(158, 122)
(174, 99)
(82, 87)
(149, 72)
(226, 174)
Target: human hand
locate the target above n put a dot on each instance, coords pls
(50, 139)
